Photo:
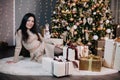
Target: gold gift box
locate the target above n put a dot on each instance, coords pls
(91, 64)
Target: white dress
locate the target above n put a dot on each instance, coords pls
(36, 48)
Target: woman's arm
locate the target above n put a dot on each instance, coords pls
(48, 40)
(18, 45)
(43, 39)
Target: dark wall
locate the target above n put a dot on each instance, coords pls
(6, 21)
(12, 11)
(41, 8)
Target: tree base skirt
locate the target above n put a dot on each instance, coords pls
(27, 67)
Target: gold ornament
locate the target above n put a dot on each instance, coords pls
(72, 30)
(97, 5)
(75, 32)
(71, 19)
(84, 0)
(80, 21)
(75, 1)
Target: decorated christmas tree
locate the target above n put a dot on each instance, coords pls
(82, 21)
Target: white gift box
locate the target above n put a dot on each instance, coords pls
(116, 60)
(56, 41)
(47, 64)
(60, 69)
(71, 53)
(108, 53)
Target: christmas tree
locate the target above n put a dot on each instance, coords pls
(82, 21)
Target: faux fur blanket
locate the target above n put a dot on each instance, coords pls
(27, 67)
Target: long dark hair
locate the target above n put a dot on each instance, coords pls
(24, 29)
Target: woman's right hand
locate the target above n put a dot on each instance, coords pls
(10, 62)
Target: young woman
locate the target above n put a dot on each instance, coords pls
(28, 37)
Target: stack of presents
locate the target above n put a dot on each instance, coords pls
(78, 57)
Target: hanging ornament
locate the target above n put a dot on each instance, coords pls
(62, 2)
(55, 26)
(86, 33)
(74, 10)
(94, 28)
(75, 32)
(97, 5)
(89, 43)
(79, 42)
(92, 8)
(63, 11)
(72, 31)
(94, 13)
(84, 21)
(75, 1)
(80, 21)
(77, 23)
(118, 26)
(83, 30)
(101, 22)
(107, 21)
(85, 4)
(108, 31)
(101, 26)
(68, 4)
(95, 1)
(74, 26)
(73, 4)
(71, 19)
(89, 20)
(63, 23)
(95, 37)
(68, 11)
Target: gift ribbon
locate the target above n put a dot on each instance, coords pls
(90, 64)
(66, 68)
(114, 52)
(76, 52)
(76, 56)
(59, 60)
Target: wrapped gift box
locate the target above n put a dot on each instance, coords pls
(116, 61)
(60, 69)
(70, 54)
(83, 51)
(100, 48)
(90, 64)
(117, 31)
(109, 53)
(50, 48)
(56, 41)
(47, 64)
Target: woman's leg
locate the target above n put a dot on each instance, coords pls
(58, 51)
(49, 50)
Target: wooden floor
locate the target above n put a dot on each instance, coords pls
(9, 52)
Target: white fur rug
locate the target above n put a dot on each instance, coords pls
(27, 67)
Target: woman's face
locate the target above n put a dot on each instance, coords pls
(30, 23)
